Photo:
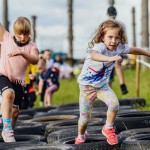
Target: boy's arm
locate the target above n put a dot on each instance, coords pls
(139, 51)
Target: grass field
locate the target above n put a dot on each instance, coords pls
(69, 90)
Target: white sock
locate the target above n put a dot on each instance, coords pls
(81, 137)
(109, 125)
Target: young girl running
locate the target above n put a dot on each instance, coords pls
(17, 52)
(104, 51)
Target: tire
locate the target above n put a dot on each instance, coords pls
(93, 142)
(34, 146)
(31, 138)
(133, 102)
(11, 146)
(137, 142)
(30, 112)
(48, 119)
(132, 120)
(58, 112)
(45, 147)
(63, 133)
(36, 129)
(44, 109)
(70, 105)
(132, 132)
(24, 117)
(70, 124)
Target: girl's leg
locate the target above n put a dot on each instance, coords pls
(7, 103)
(107, 95)
(87, 96)
(6, 107)
(15, 114)
(48, 94)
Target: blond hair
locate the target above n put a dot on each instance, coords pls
(22, 26)
(41, 62)
(104, 27)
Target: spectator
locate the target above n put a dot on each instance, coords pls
(51, 79)
(112, 13)
(47, 55)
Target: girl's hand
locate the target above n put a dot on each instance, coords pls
(117, 59)
(12, 54)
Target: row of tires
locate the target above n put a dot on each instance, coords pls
(54, 128)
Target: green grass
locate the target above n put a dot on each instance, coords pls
(69, 89)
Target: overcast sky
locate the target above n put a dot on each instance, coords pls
(52, 20)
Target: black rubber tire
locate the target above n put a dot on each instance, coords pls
(63, 133)
(132, 120)
(34, 146)
(30, 128)
(137, 142)
(24, 117)
(48, 119)
(133, 102)
(24, 138)
(69, 105)
(30, 112)
(93, 142)
(58, 112)
(132, 132)
(44, 109)
(10, 146)
(45, 147)
(49, 128)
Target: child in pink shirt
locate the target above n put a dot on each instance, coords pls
(17, 52)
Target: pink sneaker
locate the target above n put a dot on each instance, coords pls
(80, 141)
(8, 135)
(112, 138)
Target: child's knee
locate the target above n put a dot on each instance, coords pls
(84, 121)
(114, 106)
(9, 95)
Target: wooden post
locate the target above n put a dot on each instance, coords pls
(70, 29)
(145, 32)
(137, 75)
(137, 81)
(34, 27)
(5, 15)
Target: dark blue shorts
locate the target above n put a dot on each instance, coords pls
(5, 83)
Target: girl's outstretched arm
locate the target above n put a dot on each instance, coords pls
(139, 51)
